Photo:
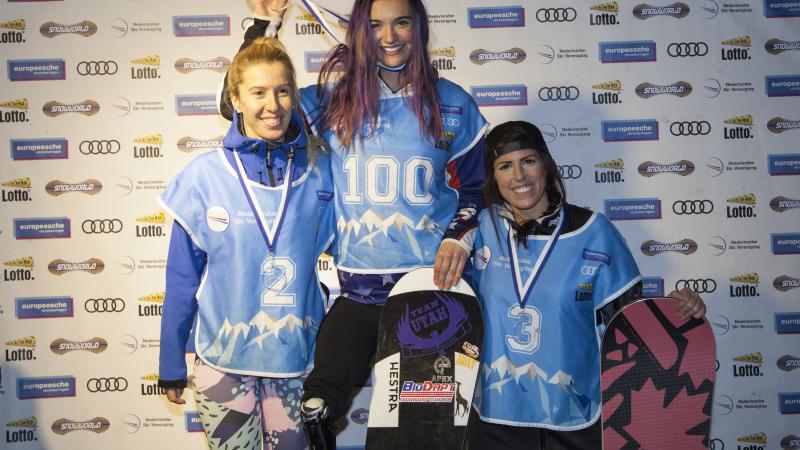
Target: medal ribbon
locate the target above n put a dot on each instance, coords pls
(524, 290)
(270, 235)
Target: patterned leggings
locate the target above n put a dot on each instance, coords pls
(248, 412)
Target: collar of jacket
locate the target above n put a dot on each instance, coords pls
(249, 149)
(544, 225)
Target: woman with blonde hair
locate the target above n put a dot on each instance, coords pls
(251, 219)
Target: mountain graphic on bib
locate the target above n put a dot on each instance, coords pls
(243, 337)
(371, 228)
(509, 379)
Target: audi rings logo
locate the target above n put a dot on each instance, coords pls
(555, 93)
(716, 444)
(684, 49)
(682, 207)
(100, 147)
(113, 384)
(556, 14)
(102, 305)
(701, 286)
(570, 172)
(589, 270)
(97, 68)
(693, 128)
(101, 226)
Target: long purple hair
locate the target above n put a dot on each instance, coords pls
(353, 101)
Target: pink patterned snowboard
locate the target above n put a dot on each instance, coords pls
(657, 377)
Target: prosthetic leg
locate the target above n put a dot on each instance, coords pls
(318, 428)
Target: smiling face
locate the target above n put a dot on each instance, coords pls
(265, 98)
(393, 25)
(522, 181)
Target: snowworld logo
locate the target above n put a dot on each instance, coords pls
(782, 204)
(776, 46)
(60, 266)
(650, 168)
(684, 246)
(84, 28)
(96, 425)
(784, 283)
(513, 55)
(779, 125)
(678, 89)
(90, 186)
(677, 10)
(86, 107)
(62, 346)
(189, 144)
(219, 64)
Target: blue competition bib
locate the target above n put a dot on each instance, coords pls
(258, 311)
(541, 360)
(393, 203)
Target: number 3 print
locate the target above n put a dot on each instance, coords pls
(525, 333)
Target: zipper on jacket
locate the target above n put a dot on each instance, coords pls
(269, 168)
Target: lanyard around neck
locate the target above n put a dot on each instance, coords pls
(270, 234)
(524, 288)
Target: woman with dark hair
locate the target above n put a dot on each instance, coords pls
(407, 163)
(549, 275)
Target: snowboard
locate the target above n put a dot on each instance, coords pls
(426, 365)
(657, 378)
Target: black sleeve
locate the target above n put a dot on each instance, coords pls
(253, 32)
(606, 313)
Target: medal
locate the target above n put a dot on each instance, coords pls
(524, 290)
(270, 234)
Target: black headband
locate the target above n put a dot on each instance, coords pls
(516, 145)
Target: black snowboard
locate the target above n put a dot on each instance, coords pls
(426, 365)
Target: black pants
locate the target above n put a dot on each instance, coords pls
(488, 436)
(345, 346)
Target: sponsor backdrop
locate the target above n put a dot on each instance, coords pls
(680, 121)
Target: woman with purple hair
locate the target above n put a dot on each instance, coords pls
(407, 164)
